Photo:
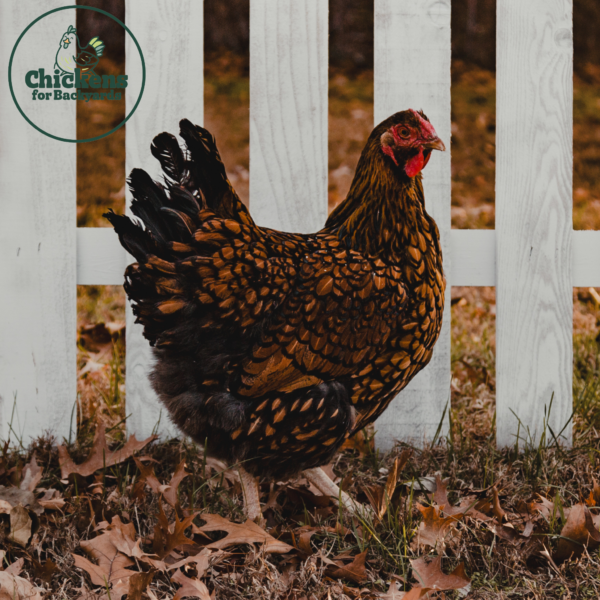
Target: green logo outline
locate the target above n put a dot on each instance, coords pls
(127, 117)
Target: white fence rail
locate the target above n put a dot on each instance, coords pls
(534, 257)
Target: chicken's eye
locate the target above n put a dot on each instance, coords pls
(404, 133)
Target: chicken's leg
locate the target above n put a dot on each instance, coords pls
(251, 496)
(323, 483)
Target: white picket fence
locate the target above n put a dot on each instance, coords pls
(533, 257)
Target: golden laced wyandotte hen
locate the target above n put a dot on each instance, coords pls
(272, 348)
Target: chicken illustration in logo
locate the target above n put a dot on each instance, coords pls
(72, 55)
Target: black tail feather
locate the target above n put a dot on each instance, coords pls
(205, 165)
(132, 236)
(166, 149)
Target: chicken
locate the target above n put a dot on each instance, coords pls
(273, 348)
(72, 55)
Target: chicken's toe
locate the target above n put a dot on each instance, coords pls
(321, 481)
(251, 495)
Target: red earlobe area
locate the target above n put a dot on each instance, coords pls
(415, 164)
(387, 150)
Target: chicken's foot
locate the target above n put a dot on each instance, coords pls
(251, 496)
(323, 483)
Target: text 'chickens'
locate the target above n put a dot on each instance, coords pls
(53, 61)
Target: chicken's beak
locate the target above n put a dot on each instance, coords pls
(66, 41)
(434, 144)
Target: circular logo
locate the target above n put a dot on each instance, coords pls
(51, 69)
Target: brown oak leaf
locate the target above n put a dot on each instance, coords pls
(20, 526)
(594, 498)
(168, 536)
(138, 584)
(434, 529)
(192, 588)
(170, 494)
(246, 533)
(51, 500)
(429, 574)
(32, 474)
(579, 531)
(468, 505)
(13, 587)
(380, 497)
(147, 477)
(355, 571)
(100, 455)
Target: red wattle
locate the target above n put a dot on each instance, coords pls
(415, 164)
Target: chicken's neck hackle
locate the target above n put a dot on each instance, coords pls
(384, 212)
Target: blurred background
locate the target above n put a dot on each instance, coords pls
(226, 30)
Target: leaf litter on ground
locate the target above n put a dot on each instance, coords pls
(146, 540)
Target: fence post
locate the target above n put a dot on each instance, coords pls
(172, 40)
(37, 241)
(288, 114)
(534, 202)
(412, 70)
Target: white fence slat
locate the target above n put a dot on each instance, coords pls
(37, 244)
(586, 258)
(101, 260)
(172, 40)
(288, 113)
(472, 257)
(534, 167)
(412, 70)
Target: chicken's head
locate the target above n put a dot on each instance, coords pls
(408, 140)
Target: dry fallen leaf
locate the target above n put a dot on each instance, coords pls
(499, 512)
(302, 542)
(355, 571)
(219, 468)
(167, 537)
(360, 442)
(594, 498)
(113, 550)
(429, 574)
(380, 497)
(16, 567)
(52, 500)
(579, 531)
(122, 536)
(246, 533)
(192, 588)
(434, 528)
(467, 506)
(201, 560)
(138, 584)
(13, 587)
(20, 526)
(170, 494)
(100, 456)
(13, 496)
(32, 474)
(544, 506)
(147, 477)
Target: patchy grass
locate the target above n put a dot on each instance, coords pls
(503, 556)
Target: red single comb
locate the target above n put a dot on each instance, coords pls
(426, 126)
